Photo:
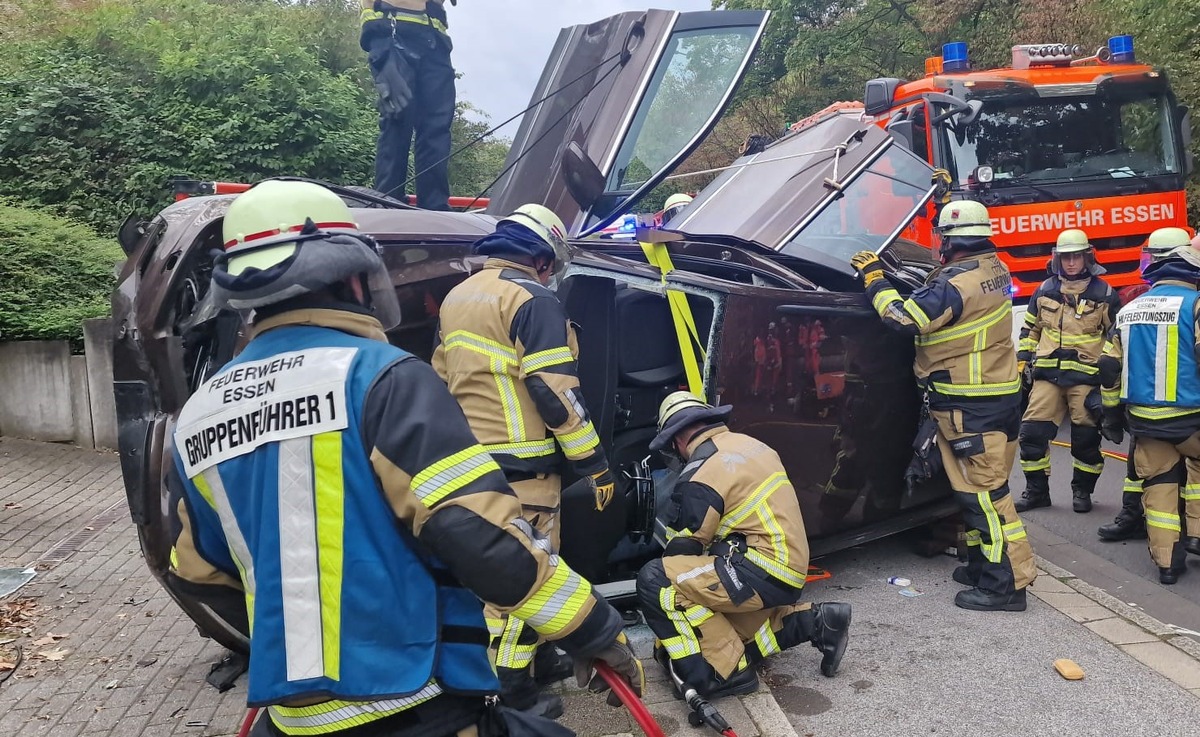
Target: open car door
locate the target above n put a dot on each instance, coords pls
(619, 105)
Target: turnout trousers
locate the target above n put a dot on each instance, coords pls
(1048, 403)
(1170, 473)
(999, 554)
(704, 632)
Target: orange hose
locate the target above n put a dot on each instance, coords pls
(1108, 453)
(636, 708)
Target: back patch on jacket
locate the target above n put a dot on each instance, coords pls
(245, 406)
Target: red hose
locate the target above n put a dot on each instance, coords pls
(636, 708)
(247, 723)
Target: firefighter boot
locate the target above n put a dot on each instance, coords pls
(744, 680)
(1083, 483)
(831, 635)
(1177, 568)
(1192, 545)
(986, 601)
(519, 691)
(1129, 523)
(1037, 491)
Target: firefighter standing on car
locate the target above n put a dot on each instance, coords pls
(408, 49)
(1130, 522)
(725, 593)
(331, 477)
(1151, 386)
(1062, 339)
(961, 321)
(508, 354)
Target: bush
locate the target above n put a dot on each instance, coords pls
(54, 275)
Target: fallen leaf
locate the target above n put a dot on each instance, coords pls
(12, 505)
(54, 655)
(49, 639)
(147, 662)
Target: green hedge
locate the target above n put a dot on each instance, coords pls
(54, 274)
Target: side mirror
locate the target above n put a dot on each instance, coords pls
(1185, 133)
(973, 109)
(879, 95)
(130, 233)
(583, 178)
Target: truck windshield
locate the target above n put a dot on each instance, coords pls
(1062, 139)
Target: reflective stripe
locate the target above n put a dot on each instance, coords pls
(1027, 344)
(1172, 367)
(1161, 413)
(553, 606)
(1190, 493)
(511, 653)
(1038, 464)
(884, 298)
(978, 390)
(913, 310)
(765, 639)
(495, 625)
(1132, 486)
(331, 525)
(524, 449)
(1014, 531)
(1066, 364)
(580, 442)
(1030, 318)
(685, 643)
(545, 359)
(210, 486)
(742, 512)
(451, 474)
(783, 573)
(1110, 397)
(966, 329)
(397, 15)
(974, 538)
(335, 716)
(994, 551)
(700, 571)
(507, 390)
(480, 344)
(1065, 340)
(298, 578)
(1095, 468)
(1163, 520)
(698, 615)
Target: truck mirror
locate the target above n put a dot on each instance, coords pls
(1185, 133)
(583, 178)
(130, 233)
(879, 94)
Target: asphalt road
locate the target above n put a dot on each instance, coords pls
(1123, 569)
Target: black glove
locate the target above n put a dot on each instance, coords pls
(621, 659)
(1112, 427)
(393, 77)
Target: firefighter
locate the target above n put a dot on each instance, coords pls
(726, 592)
(674, 205)
(1152, 388)
(508, 354)
(1062, 339)
(332, 478)
(961, 321)
(408, 49)
(1130, 522)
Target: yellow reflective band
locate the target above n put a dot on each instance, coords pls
(397, 15)
(523, 449)
(1027, 344)
(1038, 464)
(783, 573)
(697, 615)
(686, 333)
(1065, 340)
(1083, 368)
(336, 715)
(479, 344)
(506, 388)
(994, 551)
(1172, 362)
(535, 362)
(766, 641)
(1132, 486)
(686, 643)
(884, 298)
(1095, 468)
(1161, 413)
(1190, 493)
(1030, 318)
(913, 310)
(452, 473)
(329, 485)
(978, 390)
(580, 442)
(1163, 520)
(779, 547)
(511, 653)
(1110, 397)
(556, 603)
(742, 512)
(1014, 531)
(495, 626)
(966, 329)
(174, 558)
(974, 538)
(239, 551)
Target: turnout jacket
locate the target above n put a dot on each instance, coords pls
(1150, 365)
(1066, 328)
(332, 478)
(961, 321)
(507, 352)
(735, 500)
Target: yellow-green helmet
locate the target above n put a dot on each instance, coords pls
(1072, 241)
(965, 217)
(1165, 240)
(679, 410)
(675, 205)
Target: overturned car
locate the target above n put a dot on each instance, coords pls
(771, 320)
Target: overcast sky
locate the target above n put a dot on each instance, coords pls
(500, 46)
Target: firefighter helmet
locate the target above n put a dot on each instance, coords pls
(674, 205)
(1072, 241)
(1075, 241)
(1188, 253)
(1164, 240)
(965, 218)
(679, 410)
(549, 239)
(284, 239)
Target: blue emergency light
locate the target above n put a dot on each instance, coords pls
(954, 57)
(1121, 48)
(628, 224)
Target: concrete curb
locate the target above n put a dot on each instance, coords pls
(1142, 637)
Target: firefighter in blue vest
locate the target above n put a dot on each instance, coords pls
(334, 480)
(408, 49)
(1151, 386)
(1062, 339)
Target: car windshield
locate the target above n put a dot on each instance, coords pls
(869, 213)
(1119, 135)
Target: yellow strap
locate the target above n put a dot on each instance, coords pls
(681, 314)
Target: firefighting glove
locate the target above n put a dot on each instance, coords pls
(1112, 427)
(603, 486)
(868, 265)
(621, 659)
(393, 76)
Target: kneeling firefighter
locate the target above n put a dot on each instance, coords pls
(725, 593)
(1062, 340)
(331, 478)
(508, 355)
(961, 321)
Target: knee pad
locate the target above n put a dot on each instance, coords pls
(650, 581)
(1035, 438)
(1085, 444)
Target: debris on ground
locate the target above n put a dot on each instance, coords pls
(1068, 669)
(12, 579)
(910, 592)
(18, 615)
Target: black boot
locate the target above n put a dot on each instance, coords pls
(962, 575)
(550, 665)
(985, 601)
(1129, 523)
(1178, 567)
(741, 681)
(1037, 492)
(1083, 483)
(519, 691)
(1192, 545)
(832, 620)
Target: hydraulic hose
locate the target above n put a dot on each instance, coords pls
(247, 723)
(1106, 453)
(636, 708)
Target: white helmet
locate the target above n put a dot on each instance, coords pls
(965, 217)
(680, 409)
(545, 224)
(1072, 241)
(674, 205)
(1164, 240)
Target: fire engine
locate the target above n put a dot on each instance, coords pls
(1057, 140)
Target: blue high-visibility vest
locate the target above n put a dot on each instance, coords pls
(1158, 335)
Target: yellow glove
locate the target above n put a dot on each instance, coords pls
(868, 265)
(1020, 367)
(621, 659)
(604, 486)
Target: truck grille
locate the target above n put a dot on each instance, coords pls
(1101, 244)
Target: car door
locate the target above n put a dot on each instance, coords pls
(620, 104)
